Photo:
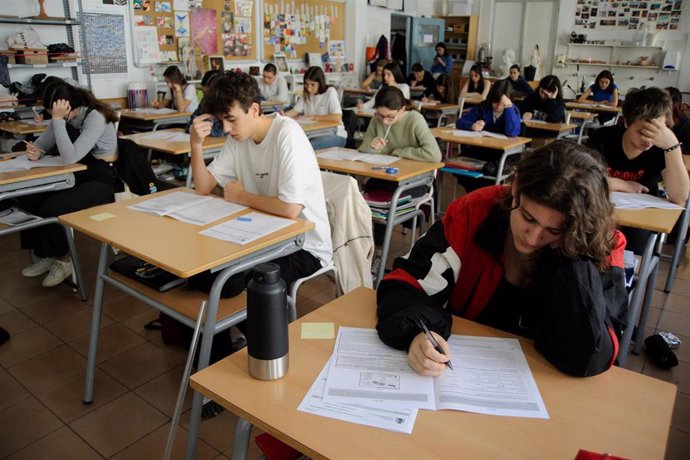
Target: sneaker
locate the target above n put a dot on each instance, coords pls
(41, 266)
(375, 264)
(58, 273)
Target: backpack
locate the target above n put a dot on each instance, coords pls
(133, 168)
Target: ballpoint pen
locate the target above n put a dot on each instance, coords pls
(431, 338)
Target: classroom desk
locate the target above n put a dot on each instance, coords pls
(271, 106)
(320, 128)
(471, 100)
(620, 412)
(656, 221)
(559, 129)
(144, 120)
(441, 109)
(585, 117)
(593, 107)
(21, 128)
(410, 174)
(15, 184)
(679, 246)
(178, 248)
(212, 146)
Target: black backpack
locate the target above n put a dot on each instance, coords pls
(133, 168)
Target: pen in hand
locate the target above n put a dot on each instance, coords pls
(422, 326)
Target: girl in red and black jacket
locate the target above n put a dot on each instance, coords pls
(541, 259)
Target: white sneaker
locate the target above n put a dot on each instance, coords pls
(58, 273)
(41, 266)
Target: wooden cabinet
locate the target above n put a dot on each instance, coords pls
(461, 40)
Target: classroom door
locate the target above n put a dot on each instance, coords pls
(424, 34)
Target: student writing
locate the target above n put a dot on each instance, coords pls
(181, 95)
(392, 76)
(81, 129)
(496, 114)
(438, 91)
(540, 258)
(476, 85)
(420, 77)
(273, 87)
(320, 102)
(375, 79)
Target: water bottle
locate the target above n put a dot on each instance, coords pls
(267, 323)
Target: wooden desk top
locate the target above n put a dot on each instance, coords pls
(439, 107)
(168, 243)
(22, 127)
(469, 100)
(655, 220)
(270, 104)
(446, 134)
(366, 92)
(11, 177)
(581, 115)
(593, 107)
(406, 168)
(320, 125)
(417, 89)
(174, 148)
(556, 127)
(619, 411)
(146, 116)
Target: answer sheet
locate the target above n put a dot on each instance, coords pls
(339, 153)
(247, 228)
(490, 376)
(22, 163)
(394, 419)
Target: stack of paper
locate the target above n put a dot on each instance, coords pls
(491, 376)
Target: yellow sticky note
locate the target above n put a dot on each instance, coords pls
(318, 331)
(102, 216)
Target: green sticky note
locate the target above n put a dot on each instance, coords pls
(318, 331)
(102, 216)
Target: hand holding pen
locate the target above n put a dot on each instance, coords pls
(33, 152)
(428, 352)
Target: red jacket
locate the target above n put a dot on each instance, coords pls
(458, 265)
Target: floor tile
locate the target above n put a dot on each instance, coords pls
(48, 369)
(681, 413)
(24, 423)
(66, 399)
(11, 390)
(153, 446)
(678, 445)
(118, 424)
(113, 340)
(679, 375)
(120, 306)
(140, 364)
(60, 444)
(27, 345)
(162, 391)
(72, 327)
(217, 431)
(5, 306)
(16, 322)
(44, 312)
(675, 322)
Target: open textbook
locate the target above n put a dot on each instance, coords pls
(465, 133)
(490, 376)
(338, 153)
(624, 200)
(189, 207)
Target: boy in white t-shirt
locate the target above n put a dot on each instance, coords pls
(267, 163)
(273, 87)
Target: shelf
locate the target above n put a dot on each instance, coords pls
(613, 46)
(648, 67)
(40, 66)
(47, 22)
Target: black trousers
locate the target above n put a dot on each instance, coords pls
(92, 189)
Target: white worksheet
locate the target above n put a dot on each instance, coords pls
(247, 228)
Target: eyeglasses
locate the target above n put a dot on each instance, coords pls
(386, 117)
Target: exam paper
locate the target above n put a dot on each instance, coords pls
(158, 135)
(247, 228)
(465, 133)
(624, 200)
(339, 153)
(23, 163)
(400, 420)
(207, 211)
(166, 204)
(490, 376)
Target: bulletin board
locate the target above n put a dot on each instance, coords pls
(186, 31)
(297, 27)
(631, 15)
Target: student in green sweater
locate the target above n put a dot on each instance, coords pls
(396, 129)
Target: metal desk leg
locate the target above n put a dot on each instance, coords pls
(678, 247)
(75, 263)
(95, 324)
(240, 444)
(636, 302)
(646, 306)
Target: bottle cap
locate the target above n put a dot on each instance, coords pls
(266, 273)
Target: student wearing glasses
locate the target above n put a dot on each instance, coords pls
(393, 77)
(546, 103)
(397, 129)
(320, 102)
(540, 258)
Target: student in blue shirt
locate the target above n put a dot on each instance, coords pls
(603, 91)
(496, 114)
(442, 62)
(217, 128)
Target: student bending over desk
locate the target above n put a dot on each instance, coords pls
(643, 153)
(375, 79)
(496, 114)
(681, 123)
(438, 91)
(541, 259)
(82, 130)
(392, 76)
(217, 129)
(320, 102)
(273, 87)
(603, 91)
(267, 163)
(181, 95)
(520, 86)
(546, 103)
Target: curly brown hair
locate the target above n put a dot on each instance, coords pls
(570, 179)
(229, 89)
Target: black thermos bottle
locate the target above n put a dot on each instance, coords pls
(267, 323)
